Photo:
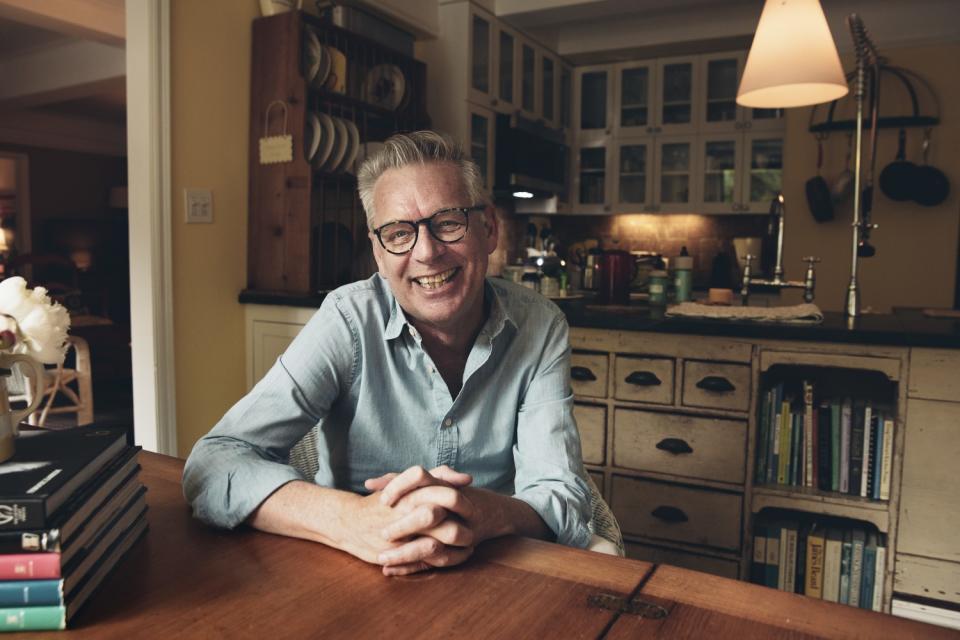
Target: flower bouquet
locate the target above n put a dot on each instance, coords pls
(33, 332)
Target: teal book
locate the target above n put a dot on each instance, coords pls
(856, 567)
(834, 446)
(846, 552)
(869, 572)
(49, 618)
(30, 593)
(773, 457)
(763, 437)
(772, 567)
(846, 411)
(857, 452)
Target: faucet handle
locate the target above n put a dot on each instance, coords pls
(810, 260)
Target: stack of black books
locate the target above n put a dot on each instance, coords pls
(71, 504)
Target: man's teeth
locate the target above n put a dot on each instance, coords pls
(432, 282)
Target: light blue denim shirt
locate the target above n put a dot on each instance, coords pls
(359, 372)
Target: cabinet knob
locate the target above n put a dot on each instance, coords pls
(606, 207)
(649, 129)
(738, 125)
(676, 446)
(748, 124)
(668, 514)
(716, 384)
(643, 379)
(582, 374)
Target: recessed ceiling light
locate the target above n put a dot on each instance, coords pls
(522, 194)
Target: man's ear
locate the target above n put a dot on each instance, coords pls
(375, 249)
(492, 226)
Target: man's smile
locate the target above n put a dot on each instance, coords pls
(437, 280)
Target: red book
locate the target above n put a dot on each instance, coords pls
(29, 566)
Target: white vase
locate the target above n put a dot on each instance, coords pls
(10, 419)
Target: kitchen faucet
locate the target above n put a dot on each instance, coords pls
(777, 216)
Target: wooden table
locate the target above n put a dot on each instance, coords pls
(184, 579)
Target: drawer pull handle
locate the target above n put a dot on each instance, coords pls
(716, 384)
(643, 379)
(669, 514)
(675, 446)
(582, 374)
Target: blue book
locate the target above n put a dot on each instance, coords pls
(856, 566)
(846, 555)
(31, 593)
(876, 462)
(772, 567)
(869, 572)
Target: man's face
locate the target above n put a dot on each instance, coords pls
(437, 285)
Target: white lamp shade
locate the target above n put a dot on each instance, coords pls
(793, 61)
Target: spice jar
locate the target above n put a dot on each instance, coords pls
(683, 276)
(658, 287)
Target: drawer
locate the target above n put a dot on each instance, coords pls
(644, 379)
(933, 374)
(592, 424)
(693, 561)
(714, 385)
(698, 447)
(675, 512)
(929, 517)
(927, 578)
(588, 374)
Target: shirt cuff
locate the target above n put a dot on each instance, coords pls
(560, 515)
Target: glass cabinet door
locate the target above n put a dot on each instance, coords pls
(720, 161)
(566, 82)
(480, 58)
(721, 77)
(528, 81)
(548, 81)
(591, 188)
(676, 168)
(593, 94)
(481, 143)
(506, 65)
(634, 96)
(676, 79)
(634, 170)
(764, 170)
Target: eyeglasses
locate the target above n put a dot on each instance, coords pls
(447, 226)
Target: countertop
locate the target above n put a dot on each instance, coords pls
(905, 327)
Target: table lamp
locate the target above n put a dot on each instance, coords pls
(793, 62)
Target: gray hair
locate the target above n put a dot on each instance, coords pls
(420, 147)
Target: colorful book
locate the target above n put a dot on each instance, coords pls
(31, 593)
(786, 426)
(876, 451)
(809, 442)
(868, 444)
(856, 566)
(772, 578)
(47, 468)
(788, 557)
(824, 446)
(856, 449)
(51, 618)
(758, 568)
(29, 566)
(887, 458)
(763, 438)
(835, 445)
(796, 448)
(846, 410)
(879, 578)
(868, 572)
(846, 560)
(815, 563)
(832, 552)
(773, 465)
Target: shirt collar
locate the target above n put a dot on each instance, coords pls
(496, 319)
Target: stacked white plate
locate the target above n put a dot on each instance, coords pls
(332, 143)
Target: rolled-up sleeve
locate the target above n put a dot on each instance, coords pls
(245, 457)
(547, 456)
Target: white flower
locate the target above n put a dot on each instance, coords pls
(42, 323)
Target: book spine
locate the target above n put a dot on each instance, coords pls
(773, 557)
(785, 427)
(29, 541)
(815, 551)
(801, 580)
(876, 451)
(832, 551)
(808, 437)
(887, 461)
(845, 411)
(856, 450)
(30, 566)
(30, 593)
(834, 446)
(824, 459)
(763, 438)
(856, 568)
(868, 572)
(879, 578)
(846, 554)
(19, 514)
(758, 568)
(790, 558)
(868, 444)
(773, 456)
(50, 618)
(796, 448)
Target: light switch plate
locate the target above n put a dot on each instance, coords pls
(199, 205)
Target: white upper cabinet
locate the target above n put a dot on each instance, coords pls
(677, 97)
(719, 79)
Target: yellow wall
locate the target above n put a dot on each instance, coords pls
(210, 97)
(916, 246)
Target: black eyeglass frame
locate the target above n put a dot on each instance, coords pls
(427, 221)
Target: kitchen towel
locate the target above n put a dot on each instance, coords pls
(798, 314)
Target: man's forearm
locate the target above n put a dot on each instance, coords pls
(504, 515)
(304, 510)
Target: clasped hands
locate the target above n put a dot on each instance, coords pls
(419, 519)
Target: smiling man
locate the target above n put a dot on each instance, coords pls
(441, 399)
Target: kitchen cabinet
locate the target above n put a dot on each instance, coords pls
(482, 141)
(679, 141)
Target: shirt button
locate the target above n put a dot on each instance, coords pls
(447, 422)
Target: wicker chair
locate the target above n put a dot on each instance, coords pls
(68, 390)
(606, 536)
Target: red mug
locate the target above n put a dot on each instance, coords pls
(617, 269)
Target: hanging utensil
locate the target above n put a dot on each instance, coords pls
(842, 185)
(818, 192)
(897, 178)
(931, 186)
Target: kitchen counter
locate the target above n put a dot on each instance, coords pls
(905, 327)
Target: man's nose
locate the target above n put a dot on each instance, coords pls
(427, 247)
